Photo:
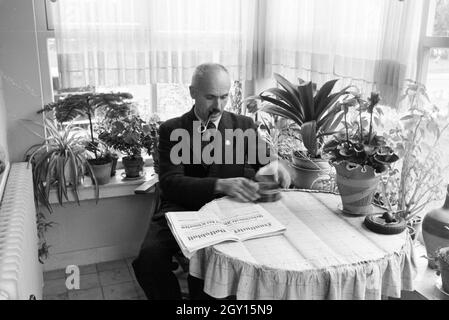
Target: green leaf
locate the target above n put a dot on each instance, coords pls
(322, 94)
(285, 97)
(309, 137)
(290, 88)
(305, 95)
(275, 110)
(329, 102)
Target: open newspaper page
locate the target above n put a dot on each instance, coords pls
(193, 230)
(246, 220)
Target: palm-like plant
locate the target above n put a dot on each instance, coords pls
(316, 113)
(59, 162)
(86, 105)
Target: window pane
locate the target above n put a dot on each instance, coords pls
(173, 100)
(439, 18)
(438, 78)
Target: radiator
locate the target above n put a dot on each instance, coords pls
(20, 271)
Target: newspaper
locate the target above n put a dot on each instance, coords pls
(194, 230)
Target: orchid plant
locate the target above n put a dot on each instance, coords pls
(358, 143)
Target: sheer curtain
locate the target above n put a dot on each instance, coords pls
(370, 43)
(122, 42)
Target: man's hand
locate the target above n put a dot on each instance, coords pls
(278, 171)
(241, 189)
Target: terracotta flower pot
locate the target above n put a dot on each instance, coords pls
(102, 171)
(133, 166)
(356, 185)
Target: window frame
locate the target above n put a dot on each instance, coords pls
(426, 43)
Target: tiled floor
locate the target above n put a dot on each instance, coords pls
(114, 280)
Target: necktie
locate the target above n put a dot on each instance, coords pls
(208, 137)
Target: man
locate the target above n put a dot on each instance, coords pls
(188, 185)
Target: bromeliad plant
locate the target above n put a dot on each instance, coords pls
(316, 113)
(358, 143)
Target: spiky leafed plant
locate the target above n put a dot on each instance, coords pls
(61, 156)
(86, 104)
(316, 114)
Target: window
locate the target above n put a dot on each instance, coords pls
(167, 100)
(434, 53)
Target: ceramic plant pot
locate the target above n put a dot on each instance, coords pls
(356, 185)
(435, 230)
(133, 166)
(102, 171)
(308, 172)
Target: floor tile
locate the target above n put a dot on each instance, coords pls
(111, 265)
(109, 277)
(54, 287)
(89, 281)
(121, 291)
(88, 294)
(61, 296)
(87, 269)
(54, 274)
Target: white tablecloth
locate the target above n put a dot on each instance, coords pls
(324, 254)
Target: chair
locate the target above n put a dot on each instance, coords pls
(179, 258)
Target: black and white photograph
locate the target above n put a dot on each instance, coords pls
(228, 156)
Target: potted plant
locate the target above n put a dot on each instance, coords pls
(59, 163)
(91, 105)
(419, 178)
(150, 140)
(442, 261)
(315, 113)
(126, 135)
(359, 155)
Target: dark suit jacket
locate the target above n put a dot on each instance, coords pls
(190, 186)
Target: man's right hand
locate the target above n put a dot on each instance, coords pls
(241, 189)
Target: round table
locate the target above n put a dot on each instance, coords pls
(324, 254)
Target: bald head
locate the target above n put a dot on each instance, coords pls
(210, 90)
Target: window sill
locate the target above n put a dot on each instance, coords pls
(117, 187)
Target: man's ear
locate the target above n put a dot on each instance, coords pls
(192, 92)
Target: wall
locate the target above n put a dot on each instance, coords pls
(110, 230)
(3, 122)
(23, 69)
(84, 234)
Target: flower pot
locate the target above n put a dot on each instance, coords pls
(356, 185)
(101, 171)
(435, 230)
(133, 166)
(309, 171)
